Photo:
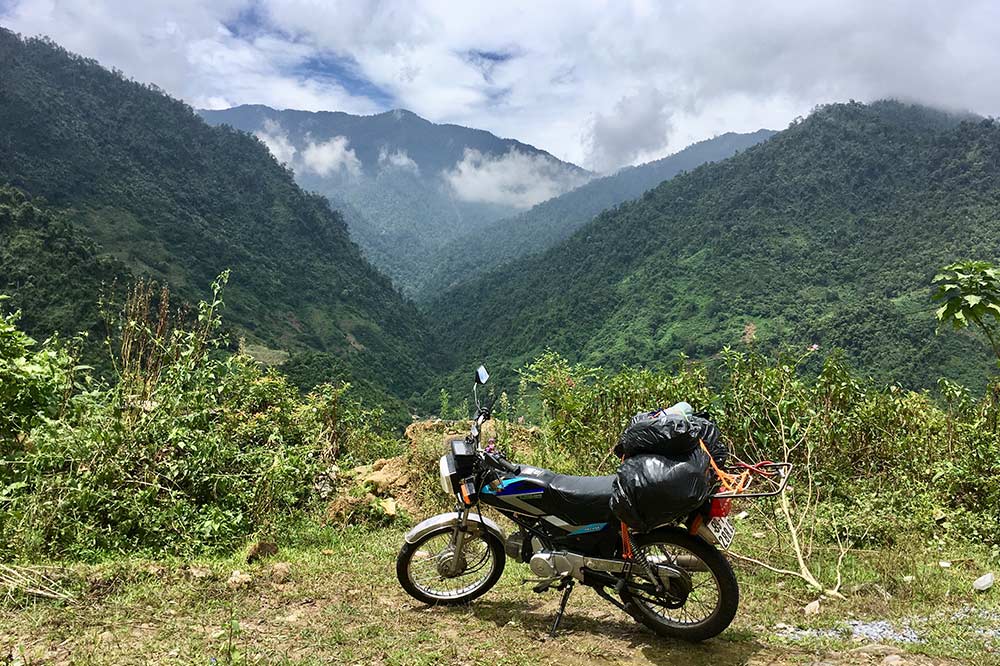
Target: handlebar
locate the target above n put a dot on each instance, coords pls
(501, 464)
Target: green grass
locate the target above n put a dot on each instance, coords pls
(343, 605)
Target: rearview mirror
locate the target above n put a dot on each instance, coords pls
(481, 375)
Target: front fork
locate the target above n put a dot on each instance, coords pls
(458, 539)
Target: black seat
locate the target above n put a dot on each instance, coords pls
(580, 500)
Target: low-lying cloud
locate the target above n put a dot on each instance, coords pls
(322, 158)
(331, 157)
(513, 179)
(276, 139)
(397, 159)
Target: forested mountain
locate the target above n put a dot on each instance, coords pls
(407, 185)
(52, 273)
(828, 233)
(555, 220)
(151, 187)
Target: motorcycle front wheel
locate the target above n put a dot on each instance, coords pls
(424, 568)
(708, 601)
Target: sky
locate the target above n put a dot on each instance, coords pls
(600, 84)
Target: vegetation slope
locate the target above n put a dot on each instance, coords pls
(829, 233)
(555, 220)
(147, 182)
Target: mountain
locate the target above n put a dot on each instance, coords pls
(407, 185)
(828, 233)
(150, 186)
(552, 221)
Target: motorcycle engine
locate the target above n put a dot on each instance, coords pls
(550, 565)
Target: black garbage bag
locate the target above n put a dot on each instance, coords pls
(710, 435)
(669, 433)
(651, 490)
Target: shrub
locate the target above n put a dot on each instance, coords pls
(878, 460)
(192, 449)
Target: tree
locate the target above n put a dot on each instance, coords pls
(970, 294)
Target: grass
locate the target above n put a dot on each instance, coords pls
(342, 604)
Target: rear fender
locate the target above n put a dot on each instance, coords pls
(474, 523)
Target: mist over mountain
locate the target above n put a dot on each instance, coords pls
(828, 233)
(409, 186)
(552, 221)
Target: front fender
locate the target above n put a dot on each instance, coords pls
(475, 522)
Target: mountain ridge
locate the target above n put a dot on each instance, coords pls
(417, 184)
(554, 220)
(787, 236)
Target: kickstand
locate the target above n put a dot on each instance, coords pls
(562, 607)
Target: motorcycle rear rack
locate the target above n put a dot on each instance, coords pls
(774, 474)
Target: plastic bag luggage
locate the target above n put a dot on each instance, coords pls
(650, 490)
(674, 431)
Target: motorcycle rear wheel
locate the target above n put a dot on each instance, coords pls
(711, 604)
(422, 570)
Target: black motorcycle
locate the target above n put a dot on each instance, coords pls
(673, 579)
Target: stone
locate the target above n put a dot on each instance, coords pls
(388, 506)
(281, 572)
(893, 660)
(199, 573)
(944, 564)
(238, 579)
(984, 582)
(812, 608)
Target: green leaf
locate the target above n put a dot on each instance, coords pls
(972, 299)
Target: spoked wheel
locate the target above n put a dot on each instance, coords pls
(696, 608)
(425, 568)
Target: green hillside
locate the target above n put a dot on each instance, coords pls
(390, 171)
(149, 184)
(53, 274)
(829, 233)
(555, 220)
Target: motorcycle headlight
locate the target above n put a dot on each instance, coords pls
(447, 470)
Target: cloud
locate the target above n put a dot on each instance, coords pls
(276, 139)
(555, 74)
(638, 125)
(513, 179)
(324, 158)
(397, 159)
(331, 157)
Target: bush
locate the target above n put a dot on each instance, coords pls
(190, 450)
(879, 460)
(34, 379)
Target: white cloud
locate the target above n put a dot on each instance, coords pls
(513, 179)
(276, 139)
(331, 157)
(397, 159)
(728, 65)
(324, 158)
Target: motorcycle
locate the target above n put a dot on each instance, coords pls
(673, 579)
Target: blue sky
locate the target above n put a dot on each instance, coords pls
(601, 83)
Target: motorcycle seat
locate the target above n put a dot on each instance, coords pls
(581, 499)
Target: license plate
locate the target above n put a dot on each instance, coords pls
(723, 531)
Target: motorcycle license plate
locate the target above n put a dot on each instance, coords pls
(723, 531)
